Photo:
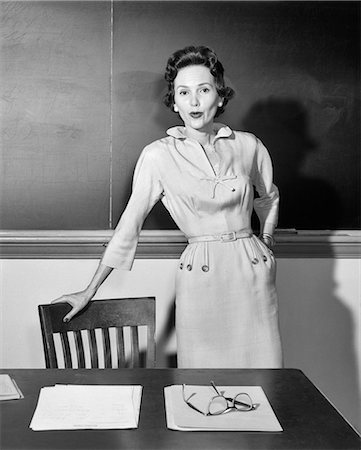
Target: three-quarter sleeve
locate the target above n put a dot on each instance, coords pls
(146, 191)
(267, 204)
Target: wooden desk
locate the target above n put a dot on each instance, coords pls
(308, 419)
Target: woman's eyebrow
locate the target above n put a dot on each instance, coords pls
(182, 86)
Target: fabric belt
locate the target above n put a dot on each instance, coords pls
(222, 237)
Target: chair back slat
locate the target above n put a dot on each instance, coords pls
(107, 348)
(134, 346)
(102, 315)
(79, 349)
(93, 348)
(150, 356)
(120, 347)
(66, 350)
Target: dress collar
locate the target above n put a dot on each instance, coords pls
(221, 130)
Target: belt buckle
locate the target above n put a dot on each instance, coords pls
(228, 237)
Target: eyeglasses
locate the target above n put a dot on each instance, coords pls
(219, 404)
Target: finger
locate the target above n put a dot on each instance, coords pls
(71, 314)
(68, 316)
(61, 299)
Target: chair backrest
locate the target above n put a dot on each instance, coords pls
(103, 327)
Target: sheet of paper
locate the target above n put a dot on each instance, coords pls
(67, 407)
(181, 417)
(8, 388)
(136, 394)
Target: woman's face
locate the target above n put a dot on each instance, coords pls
(196, 98)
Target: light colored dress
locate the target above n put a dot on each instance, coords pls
(226, 300)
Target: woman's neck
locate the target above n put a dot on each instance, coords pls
(204, 137)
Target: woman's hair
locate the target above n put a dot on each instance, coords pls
(201, 56)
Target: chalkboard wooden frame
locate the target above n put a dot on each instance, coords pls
(165, 244)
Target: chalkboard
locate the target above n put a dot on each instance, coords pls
(55, 126)
(81, 95)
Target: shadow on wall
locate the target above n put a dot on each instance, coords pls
(318, 331)
(306, 202)
(326, 352)
(170, 359)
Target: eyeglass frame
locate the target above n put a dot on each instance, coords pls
(251, 406)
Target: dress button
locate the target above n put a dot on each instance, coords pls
(181, 266)
(264, 258)
(205, 268)
(189, 267)
(255, 261)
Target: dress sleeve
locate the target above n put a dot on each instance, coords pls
(266, 205)
(146, 191)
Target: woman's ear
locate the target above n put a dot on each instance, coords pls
(175, 108)
(220, 103)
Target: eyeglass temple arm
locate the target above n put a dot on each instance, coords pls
(215, 388)
(189, 403)
(238, 402)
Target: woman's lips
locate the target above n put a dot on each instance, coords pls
(196, 114)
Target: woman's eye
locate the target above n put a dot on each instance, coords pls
(205, 90)
(183, 92)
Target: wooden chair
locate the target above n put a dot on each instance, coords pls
(98, 318)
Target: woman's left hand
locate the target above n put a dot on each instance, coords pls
(268, 240)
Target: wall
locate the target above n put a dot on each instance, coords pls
(319, 313)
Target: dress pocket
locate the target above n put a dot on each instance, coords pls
(263, 252)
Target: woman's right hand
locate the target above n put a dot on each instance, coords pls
(77, 300)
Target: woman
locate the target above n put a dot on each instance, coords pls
(204, 173)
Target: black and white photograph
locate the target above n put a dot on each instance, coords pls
(180, 224)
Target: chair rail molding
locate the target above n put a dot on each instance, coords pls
(165, 244)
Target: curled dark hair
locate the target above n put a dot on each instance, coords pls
(201, 56)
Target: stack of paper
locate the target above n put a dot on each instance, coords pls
(9, 389)
(70, 407)
(182, 417)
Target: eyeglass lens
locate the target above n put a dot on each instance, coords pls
(217, 405)
(242, 402)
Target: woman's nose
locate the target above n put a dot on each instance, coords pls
(194, 100)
